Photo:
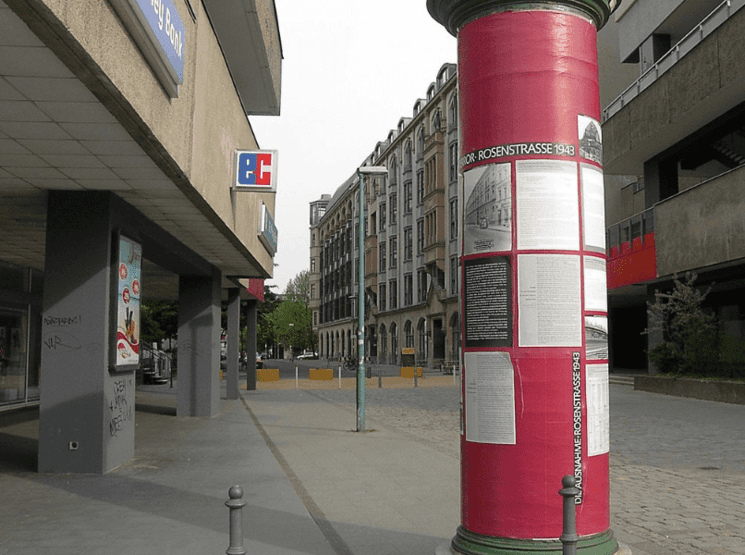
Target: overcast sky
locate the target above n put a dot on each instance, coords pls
(351, 70)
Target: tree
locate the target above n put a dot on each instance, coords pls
(159, 320)
(290, 320)
(265, 333)
(689, 335)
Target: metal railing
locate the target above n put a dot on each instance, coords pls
(709, 24)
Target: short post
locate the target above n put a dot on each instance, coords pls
(236, 504)
(296, 378)
(569, 535)
(380, 379)
(340, 376)
(416, 377)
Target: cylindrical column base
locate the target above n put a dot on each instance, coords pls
(470, 543)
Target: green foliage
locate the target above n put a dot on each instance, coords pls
(288, 321)
(690, 340)
(265, 333)
(159, 320)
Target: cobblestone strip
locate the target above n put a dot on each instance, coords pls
(655, 511)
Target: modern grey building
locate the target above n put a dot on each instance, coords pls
(119, 126)
(678, 131)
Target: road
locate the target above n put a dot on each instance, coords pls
(677, 465)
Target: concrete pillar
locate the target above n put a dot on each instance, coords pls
(534, 395)
(199, 345)
(234, 330)
(251, 329)
(86, 421)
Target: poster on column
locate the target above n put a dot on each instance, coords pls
(590, 138)
(127, 305)
(596, 337)
(487, 215)
(598, 409)
(593, 208)
(549, 300)
(596, 287)
(487, 302)
(547, 205)
(490, 398)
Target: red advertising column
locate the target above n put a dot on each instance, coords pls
(534, 305)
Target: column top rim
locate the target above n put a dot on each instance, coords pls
(453, 14)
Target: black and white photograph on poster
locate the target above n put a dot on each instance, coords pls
(487, 302)
(549, 300)
(488, 209)
(547, 205)
(593, 208)
(489, 390)
(596, 337)
(596, 286)
(590, 139)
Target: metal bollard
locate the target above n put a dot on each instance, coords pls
(236, 504)
(569, 535)
(380, 379)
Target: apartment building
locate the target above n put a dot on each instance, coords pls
(411, 239)
(678, 134)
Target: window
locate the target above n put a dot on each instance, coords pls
(393, 289)
(409, 334)
(421, 284)
(373, 227)
(393, 252)
(408, 244)
(453, 162)
(454, 275)
(419, 236)
(407, 157)
(312, 265)
(312, 290)
(393, 171)
(408, 290)
(423, 343)
(382, 217)
(394, 207)
(420, 187)
(407, 197)
(382, 254)
(381, 297)
(454, 218)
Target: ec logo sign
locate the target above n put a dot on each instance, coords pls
(255, 170)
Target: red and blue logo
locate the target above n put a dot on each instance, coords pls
(256, 170)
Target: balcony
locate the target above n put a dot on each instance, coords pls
(696, 82)
(698, 229)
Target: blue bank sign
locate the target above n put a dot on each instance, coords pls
(267, 230)
(160, 35)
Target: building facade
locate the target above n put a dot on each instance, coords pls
(119, 126)
(677, 135)
(411, 242)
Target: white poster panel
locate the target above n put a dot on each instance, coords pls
(598, 409)
(547, 205)
(490, 398)
(593, 208)
(596, 286)
(549, 300)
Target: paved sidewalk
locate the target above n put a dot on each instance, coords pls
(168, 499)
(313, 486)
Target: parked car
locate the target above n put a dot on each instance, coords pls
(259, 362)
(306, 356)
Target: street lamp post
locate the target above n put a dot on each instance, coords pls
(362, 171)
